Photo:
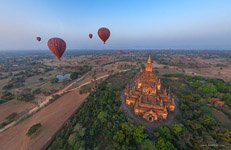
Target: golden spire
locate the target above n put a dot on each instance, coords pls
(149, 59)
(149, 64)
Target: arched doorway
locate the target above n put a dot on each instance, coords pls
(150, 118)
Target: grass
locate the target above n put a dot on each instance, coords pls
(12, 117)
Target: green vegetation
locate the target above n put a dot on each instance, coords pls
(15, 82)
(34, 129)
(208, 88)
(197, 125)
(101, 124)
(2, 101)
(74, 75)
(227, 99)
(12, 116)
(3, 124)
(6, 96)
(25, 97)
(80, 70)
(37, 91)
(86, 88)
(54, 80)
(9, 119)
(105, 125)
(83, 69)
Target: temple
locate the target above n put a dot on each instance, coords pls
(147, 98)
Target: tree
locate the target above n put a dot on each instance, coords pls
(54, 80)
(119, 136)
(177, 128)
(37, 91)
(209, 89)
(33, 129)
(72, 139)
(12, 116)
(208, 120)
(164, 132)
(25, 97)
(162, 144)
(227, 99)
(7, 96)
(74, 75)
(138, 133)
(8, 86)
(147, 145)
(102, 116)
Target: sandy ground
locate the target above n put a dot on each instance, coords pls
(51, 117)
(19, 107)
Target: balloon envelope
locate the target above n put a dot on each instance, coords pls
(90, 35)
(104, 34)
(38, 38)
(57, 46)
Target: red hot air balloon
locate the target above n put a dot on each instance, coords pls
(57, 46)
(38, 39)
(104, 34)
(90, 36)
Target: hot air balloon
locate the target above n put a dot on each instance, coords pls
(103, 34)
(57, 46)
(90, 36)
(38, 39)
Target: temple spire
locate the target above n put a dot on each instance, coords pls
(149, 64)
(149, 59)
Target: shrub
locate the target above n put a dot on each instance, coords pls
(74, 75)
(25, 97)
(54, 80)
(33, 129)
(37, 91)
(2, 101)
(12, 116)
(7, 96)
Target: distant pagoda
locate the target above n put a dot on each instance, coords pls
(146, 96)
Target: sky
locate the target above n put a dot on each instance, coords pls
(134, 24)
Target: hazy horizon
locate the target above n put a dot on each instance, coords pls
(134, 24)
